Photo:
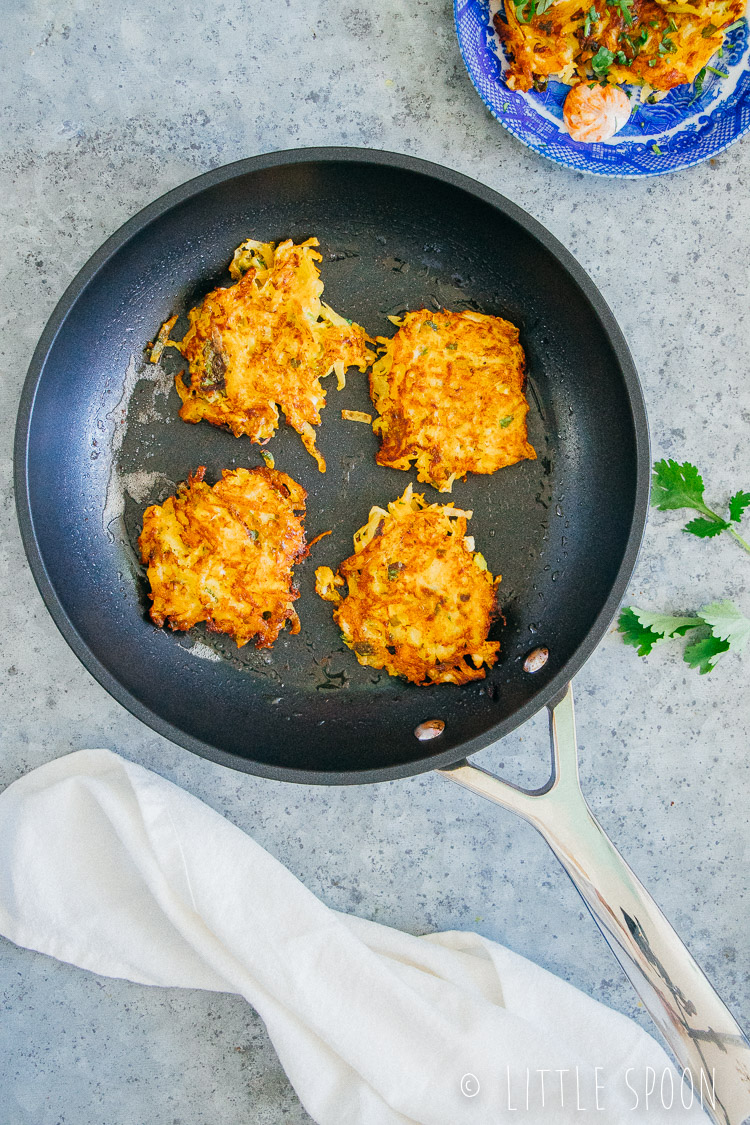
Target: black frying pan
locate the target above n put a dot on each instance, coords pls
(98, 438)
(395, 233)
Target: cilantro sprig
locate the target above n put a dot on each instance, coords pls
(718, 627)
(681, 486)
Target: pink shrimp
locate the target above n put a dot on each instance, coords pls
(595, 113)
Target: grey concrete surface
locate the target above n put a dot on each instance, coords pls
(104, 107)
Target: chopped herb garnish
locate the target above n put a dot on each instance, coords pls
(622, 58)
(720, 52)
(602, 61)
(451, 347)
(625, 9)
(721, 73)
(535, 8)
(294, 362)
(653, 23)
(393, 570)
(505, 422)
(698, 86)
(430, 324)
(666, 47)
(653, 62)
(592, 16)
(252, 534)
(656, 149)
(709, 30)
(643, 37)
(733, 26)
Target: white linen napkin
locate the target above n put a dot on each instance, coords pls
(112, 868)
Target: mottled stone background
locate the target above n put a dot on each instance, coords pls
(104, 107)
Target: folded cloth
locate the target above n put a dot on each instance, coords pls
(108, 866)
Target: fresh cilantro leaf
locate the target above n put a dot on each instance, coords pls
(522, 15)
(624, 8)
(592, 16)
(727, 623)
(681, 486)
(665, 624)
(602, 61)
(705, 529)
(737, 505)
(704, 653)
(698, 85)
(643, 630)
(676, 486)
(635, 634)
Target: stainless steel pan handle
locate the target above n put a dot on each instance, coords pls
(700, 1030)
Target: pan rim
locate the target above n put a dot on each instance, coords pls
(155, 210)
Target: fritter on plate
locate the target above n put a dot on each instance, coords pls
(419, 601)
(263, 343)
(224, 554)
(654, 43)
(449, 390)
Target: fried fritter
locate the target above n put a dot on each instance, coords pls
(637, 42)
(449, 390)
(224, 555)
(265, 342)
(420, 601)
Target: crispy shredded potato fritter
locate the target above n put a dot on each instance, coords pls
(224, 555)
(449, 390)
(420, 600)
(655, 43)
(265, 342)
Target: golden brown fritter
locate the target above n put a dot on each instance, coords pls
(265, 342)
(638, 42)
(224, 555)
(449, 390)
(420, 601)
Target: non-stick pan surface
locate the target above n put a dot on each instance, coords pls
(99, 438)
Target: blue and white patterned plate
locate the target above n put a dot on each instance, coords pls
(679, 131)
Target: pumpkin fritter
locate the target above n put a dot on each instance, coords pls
(655, 43)
(449, 390)
(420, 600)
(224, 554)
(263, 343)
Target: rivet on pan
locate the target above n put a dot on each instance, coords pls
(431, 728)
(536, 659)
